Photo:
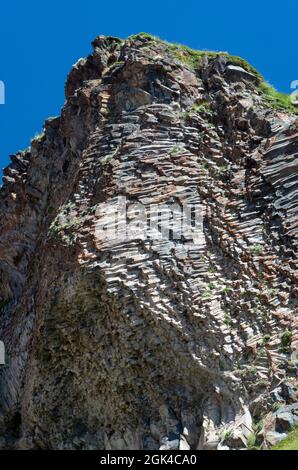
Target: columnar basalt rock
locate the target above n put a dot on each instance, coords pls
(139, 342)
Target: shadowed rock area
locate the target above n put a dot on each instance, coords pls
(139, 342)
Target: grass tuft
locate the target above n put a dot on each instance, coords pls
(277, 100)
(142, 35)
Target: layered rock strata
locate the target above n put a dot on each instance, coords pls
(149, 342)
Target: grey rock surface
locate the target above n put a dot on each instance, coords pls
(136, 342)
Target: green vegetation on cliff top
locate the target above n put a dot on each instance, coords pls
(193, 58)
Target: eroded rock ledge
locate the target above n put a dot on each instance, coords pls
(129, 344)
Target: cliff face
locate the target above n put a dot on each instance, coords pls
(130, 342)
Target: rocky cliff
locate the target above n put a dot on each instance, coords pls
(148, 342)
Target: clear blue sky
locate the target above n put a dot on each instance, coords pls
(40, 41)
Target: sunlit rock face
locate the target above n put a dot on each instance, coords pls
(124, 328)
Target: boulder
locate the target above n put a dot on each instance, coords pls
(273, 437)
(284, 422)
(183, 444)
